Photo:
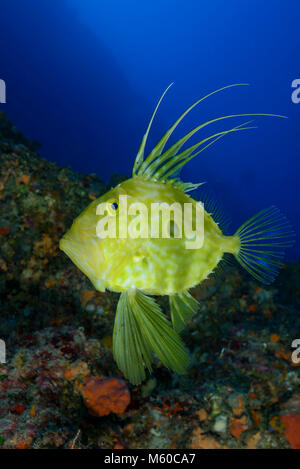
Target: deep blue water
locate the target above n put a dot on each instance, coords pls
(83, 77)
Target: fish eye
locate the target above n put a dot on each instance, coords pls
(112, 206)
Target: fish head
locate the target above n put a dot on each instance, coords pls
(93, 242)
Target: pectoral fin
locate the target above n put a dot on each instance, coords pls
(141, 330)
(182, 306)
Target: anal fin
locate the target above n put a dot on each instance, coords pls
(182, 306)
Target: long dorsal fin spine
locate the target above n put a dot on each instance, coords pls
(173, 150)
(157, 150)
(140, 155)
(165, 167)
(145, 167)
(188, 154)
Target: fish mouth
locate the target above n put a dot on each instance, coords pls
(65, 245)
(76, 252)
(71, 249)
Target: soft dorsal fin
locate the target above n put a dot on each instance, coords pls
(215, 208)
(165, 167)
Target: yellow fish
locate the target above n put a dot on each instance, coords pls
(122, 243)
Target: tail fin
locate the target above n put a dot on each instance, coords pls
(263, 239)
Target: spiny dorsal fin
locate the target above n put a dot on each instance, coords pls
(165, 166)
(184, 186)
(157, 150)
(140, 155)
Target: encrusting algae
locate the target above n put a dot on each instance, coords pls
(114, 243)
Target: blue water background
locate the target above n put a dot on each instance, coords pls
(83, 77)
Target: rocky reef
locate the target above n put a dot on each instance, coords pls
(60, 387)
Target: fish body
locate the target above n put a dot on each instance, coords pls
(157, 266)
(123, 243)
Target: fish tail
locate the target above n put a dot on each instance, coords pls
(261, 242)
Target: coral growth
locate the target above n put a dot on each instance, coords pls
(104, 395)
